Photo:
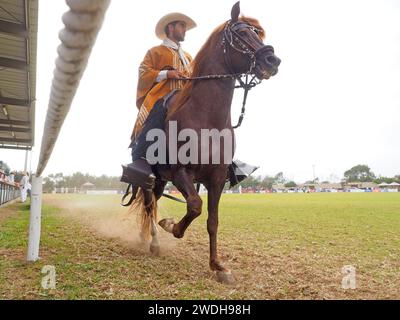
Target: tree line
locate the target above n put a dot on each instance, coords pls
(358, 173)
(363, 173)
(77, 179)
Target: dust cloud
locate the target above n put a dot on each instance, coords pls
(104, 215)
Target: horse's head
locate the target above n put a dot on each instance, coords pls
(242, 38)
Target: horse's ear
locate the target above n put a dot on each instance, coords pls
(235, 11)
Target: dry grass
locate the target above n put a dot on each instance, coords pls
(278, 246)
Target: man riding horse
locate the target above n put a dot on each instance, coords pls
(162, 65)
(159, 75)
(235, 50)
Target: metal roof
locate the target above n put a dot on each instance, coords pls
(18, 41)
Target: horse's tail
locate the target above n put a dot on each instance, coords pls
(145, 208)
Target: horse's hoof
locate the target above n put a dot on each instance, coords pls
(155, 250)
(167, 224)
(225, 277)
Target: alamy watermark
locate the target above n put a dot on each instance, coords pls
(203, 141)
(349, 280)
(49, 280)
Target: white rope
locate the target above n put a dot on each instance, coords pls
(82, 24)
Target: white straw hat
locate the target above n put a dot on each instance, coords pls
(171, 17)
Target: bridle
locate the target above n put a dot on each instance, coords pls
(232, 36)
(232, 40)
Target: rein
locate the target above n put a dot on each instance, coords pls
(246, 85)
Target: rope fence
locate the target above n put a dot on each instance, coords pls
(82, 24)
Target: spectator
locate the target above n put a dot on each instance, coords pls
(2, 176)
(11, 177)
(24, 186)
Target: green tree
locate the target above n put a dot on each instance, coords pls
(291, 184)
(5, 167)
(250, 182)
(49, 184)
(359, 173)
(59, 180)
(267, 182)
(279, 178)
(77, 180)
(103, 182)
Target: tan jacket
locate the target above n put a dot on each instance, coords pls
(148, 90)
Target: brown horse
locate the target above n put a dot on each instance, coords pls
(236, 47)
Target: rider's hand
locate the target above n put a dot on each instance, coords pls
(175, 74)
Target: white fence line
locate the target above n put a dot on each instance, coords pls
(8, 192)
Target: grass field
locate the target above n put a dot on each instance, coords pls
(279, 246)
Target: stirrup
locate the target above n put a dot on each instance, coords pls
(139, 174)
(133, 196)
(238, 171)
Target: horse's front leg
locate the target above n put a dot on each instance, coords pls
(215, 188)
(184, 182)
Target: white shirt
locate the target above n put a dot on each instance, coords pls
(25, 182)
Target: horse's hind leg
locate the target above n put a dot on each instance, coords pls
(184, 182)
(154, 244)
(158, 190)
(150, 204)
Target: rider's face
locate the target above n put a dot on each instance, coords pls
(179, 31)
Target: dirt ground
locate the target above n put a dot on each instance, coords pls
(95, 247)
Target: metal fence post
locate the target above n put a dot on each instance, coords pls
(35, 219)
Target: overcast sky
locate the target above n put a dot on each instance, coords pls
(334, 103)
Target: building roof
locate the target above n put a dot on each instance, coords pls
(363, 185)
(369, 185)
(18, 42)
(87, 185)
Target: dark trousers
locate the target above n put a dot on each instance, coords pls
(155, 120)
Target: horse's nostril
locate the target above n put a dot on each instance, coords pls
(274, 60)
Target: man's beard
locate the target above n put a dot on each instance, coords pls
(180, 37)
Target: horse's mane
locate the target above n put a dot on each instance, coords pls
(198, 62)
